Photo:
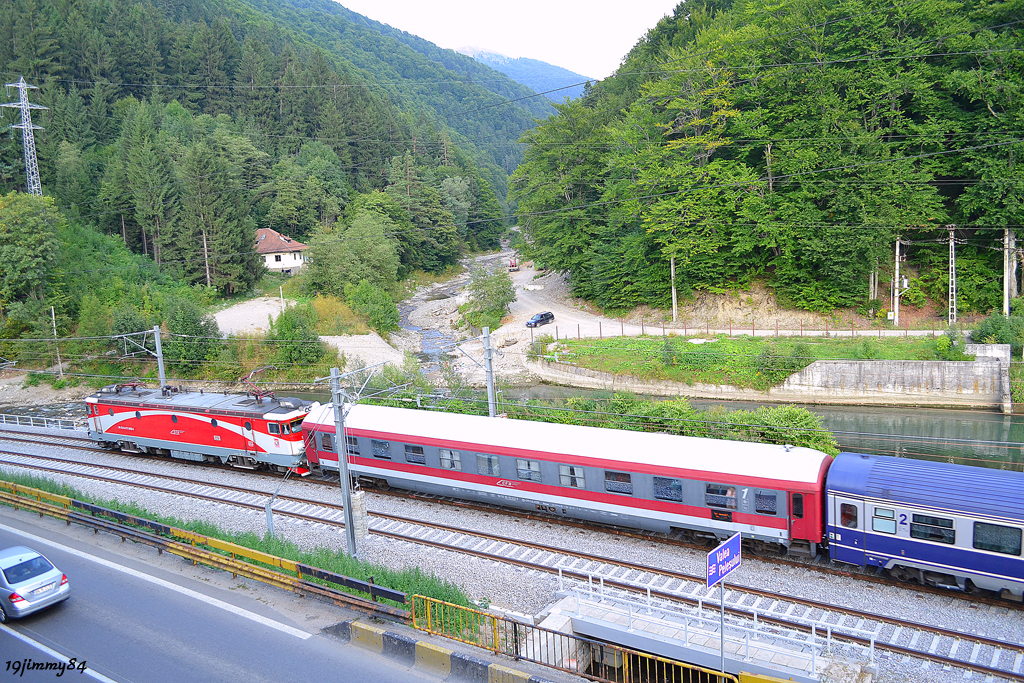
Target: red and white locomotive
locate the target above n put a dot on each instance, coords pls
(660, 482)
(245, 430)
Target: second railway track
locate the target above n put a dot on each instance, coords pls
(948, 647)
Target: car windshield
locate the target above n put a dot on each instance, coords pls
(29, 569)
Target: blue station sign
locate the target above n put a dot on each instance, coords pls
(723, 560)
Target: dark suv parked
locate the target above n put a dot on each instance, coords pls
(541, 319)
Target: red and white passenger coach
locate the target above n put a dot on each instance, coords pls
(237, 429)
(660, 482)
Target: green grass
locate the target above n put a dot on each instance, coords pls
(411, 581)
(747, 362)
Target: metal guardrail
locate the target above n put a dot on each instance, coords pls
(238, 560)
(44, 422)
(581, 656)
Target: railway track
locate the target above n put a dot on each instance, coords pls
(819, 564)
(993, 657)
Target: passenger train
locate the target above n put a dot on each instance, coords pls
(933, 523)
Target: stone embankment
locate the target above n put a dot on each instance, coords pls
(982, 383)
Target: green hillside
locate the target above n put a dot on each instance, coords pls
(173, 130)
(791, 143)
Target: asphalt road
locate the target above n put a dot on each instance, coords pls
(135, 616)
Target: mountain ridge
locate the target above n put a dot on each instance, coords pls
(554, 82)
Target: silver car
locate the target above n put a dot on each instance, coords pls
(28, 583)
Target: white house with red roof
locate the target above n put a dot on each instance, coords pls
(280, 254)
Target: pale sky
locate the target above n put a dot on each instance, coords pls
(590, 38)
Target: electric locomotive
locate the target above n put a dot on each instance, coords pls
(245, 430)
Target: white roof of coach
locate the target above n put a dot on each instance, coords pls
(739, 458)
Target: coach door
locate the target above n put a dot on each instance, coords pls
(250, 443)
(846, 529)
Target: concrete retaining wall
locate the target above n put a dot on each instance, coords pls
(980, 383)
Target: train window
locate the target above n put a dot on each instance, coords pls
(285, 429)
(668, 489)
(213, 422)
(450, 460)
(765, 502)
(174, 419)
(138, 415)
(570, 475)
(487, 464)
(884, 521)
(381, 449)
(798, 506)
(618, 482)
(297, 426)
(353, 445)
(110, 411)
(998, 539)
(848, 515)
(274, 428)
(720, 496)
(415, 455)
(248, 426)
(528, 470)
(928, 528)
(326, 444)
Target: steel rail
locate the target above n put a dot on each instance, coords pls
(548, 568)
(859, 574)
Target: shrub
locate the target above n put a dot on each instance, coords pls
(375, 304)
(295, 337)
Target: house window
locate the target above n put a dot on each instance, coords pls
(450, 460)
(487, 464)
(353, 445)
(277, 258)
(765, 502)
(618, 482)
(381, 449)
(415, 455)
(929, 528)
(570, 475)
(848, 515)
(326, 443)
(998, 539)
(668, 489)
(884, 521)
(720, 496)
(528, 470)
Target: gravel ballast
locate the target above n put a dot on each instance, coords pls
(527, 591)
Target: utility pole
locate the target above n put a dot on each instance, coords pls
(159, 358)
(952, 276)
(675, 307)
(60, 366)
(28, 139)
(341, 448)
(1006, 272)
(489, 371)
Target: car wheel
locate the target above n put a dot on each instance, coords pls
(3, 617)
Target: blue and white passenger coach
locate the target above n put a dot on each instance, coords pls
(933, 522)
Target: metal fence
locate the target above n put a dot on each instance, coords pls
(581, 656)
(44, 422)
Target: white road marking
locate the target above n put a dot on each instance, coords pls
(56, 655)
(284, 628)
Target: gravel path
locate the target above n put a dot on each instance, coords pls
(531, 592)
